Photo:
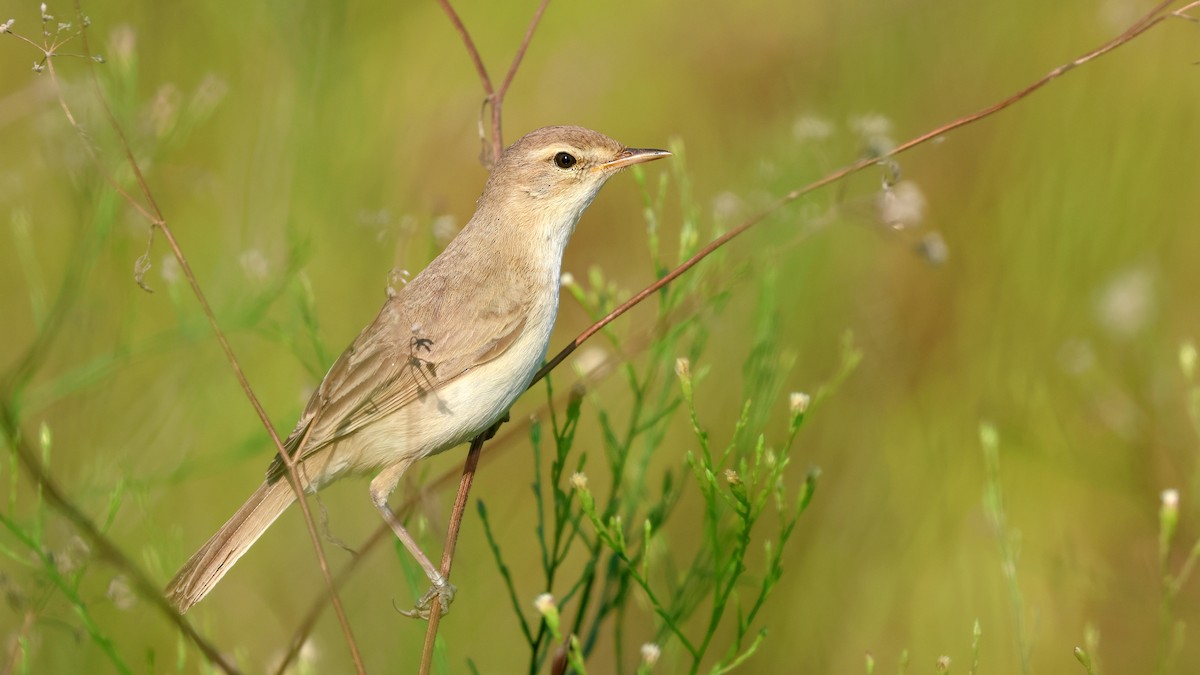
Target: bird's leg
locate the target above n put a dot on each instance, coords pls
(381, 487)
(492, 430)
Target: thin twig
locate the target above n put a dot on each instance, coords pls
(497, 99)
(494, 98)
(476, 59)
(456, 516)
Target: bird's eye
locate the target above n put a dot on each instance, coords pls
(564, 160)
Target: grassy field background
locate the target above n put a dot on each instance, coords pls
(302, 150)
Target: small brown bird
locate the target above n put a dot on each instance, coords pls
(448, 354)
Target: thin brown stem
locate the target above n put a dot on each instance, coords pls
(472, 51)
(494, 98)
(497, 99)
(456, 516)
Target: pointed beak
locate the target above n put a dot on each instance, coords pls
(631, 156)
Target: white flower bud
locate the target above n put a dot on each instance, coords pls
(650, 653)
(683, 368)
(544, 604)
(798, 402)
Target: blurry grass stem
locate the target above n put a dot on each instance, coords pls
(1008, 539)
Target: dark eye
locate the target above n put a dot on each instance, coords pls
(564, 160)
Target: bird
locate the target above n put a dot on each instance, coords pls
(447, 356)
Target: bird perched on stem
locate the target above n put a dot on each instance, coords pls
(448, 354)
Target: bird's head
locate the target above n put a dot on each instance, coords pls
(557, 171)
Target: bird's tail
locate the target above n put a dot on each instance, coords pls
(206, 567)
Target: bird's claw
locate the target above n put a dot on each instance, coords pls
(444, 592)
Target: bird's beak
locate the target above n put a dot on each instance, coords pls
(631, 156)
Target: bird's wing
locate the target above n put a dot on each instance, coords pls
(395, 361)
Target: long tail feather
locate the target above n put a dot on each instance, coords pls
(203, 570)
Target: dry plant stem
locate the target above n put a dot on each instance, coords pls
(494, 97)
(157, 222)
(104, 547)
(456, 516)
(497, 101)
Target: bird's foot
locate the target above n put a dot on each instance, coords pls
(443, 591)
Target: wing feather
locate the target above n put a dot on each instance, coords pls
(395, 361)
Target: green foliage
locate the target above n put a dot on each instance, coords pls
(624, 534)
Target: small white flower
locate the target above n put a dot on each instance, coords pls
(544, 603)
(651, 653)
(683, 368)
(798, 402)
(6, 27)
(1170, 499)
(579, 480)
(567, 279)
(732, 477)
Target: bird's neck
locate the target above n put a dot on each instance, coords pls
(521, 241)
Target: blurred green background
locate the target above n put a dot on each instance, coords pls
(343, 135)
